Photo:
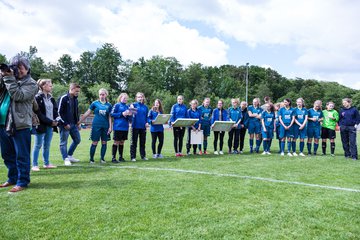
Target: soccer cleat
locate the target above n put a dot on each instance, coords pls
(241, 152)
(301, 154)
(200, 152)
(268, 153)
(333, 155)
(35, 169)
(67, 162)
(91, 161)
(264, 153)
(121, 159)
(144, 158)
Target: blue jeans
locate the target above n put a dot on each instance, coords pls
(15, 150)
(64, 135)
(42, 140)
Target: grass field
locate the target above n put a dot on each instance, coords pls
(195, 197)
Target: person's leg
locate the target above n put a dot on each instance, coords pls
(309, 143)
(176, 139)
(353, 144)
(188, 140)
(153, 142)
(222, 134)
(22, 139)
(121, 150)
(161, 142)
(92, 150)
(242, 138)
(142, 135)
(8, 153)
(181, 138)
(103, 149)
(64, 135)
(332, 145)
(302, 145)
(47, 142)
(236, 139)
(134, 140)
(216, 136)
(230, 139)
(345, 137)
(75, 135)
(316, 145)
(38, 142)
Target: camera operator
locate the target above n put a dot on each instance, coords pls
(18, 90)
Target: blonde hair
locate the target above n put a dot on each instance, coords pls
(302, 101)
(195, 101)
(141, 94)
(104, 90)
(236, 100)
(121, 96)
(42, 82)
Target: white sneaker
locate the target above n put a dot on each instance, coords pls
(264, 153)
(294, 154)
(155, 156)
(301, 154)
(216, 153)
(160, 156)
(145, 158)
(72, 159)
(282, 153)
(241, 152)
(133, 160)
(221, 153)
(289, 154)
(268, 153)
(67, 162)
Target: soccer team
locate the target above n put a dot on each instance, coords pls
(28, 107)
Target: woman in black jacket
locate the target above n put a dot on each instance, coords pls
(47, 115)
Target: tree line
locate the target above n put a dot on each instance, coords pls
(165, 78)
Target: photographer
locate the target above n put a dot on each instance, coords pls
(16, 121)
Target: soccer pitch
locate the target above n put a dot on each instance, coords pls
(245, 196)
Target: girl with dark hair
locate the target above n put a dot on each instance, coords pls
(268, 125)
(219, 114)
(156, 130)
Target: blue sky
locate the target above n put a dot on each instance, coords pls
(306, 39)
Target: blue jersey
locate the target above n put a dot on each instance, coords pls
(235, 115)
(277, 121)
(178, 111)
(140, 118)
(254, 110)
(312, 113)
(152, 116)
(205, 115)
(120, 123)
(194, 114)
(101, 113)
(269, 118)
(300, 114)
(286, 115)
(219, 115)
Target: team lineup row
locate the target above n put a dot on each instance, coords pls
(18, 91)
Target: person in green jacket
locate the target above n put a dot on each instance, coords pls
(331, 117)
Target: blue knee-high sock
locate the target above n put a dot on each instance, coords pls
(309, 148)
(282, 146)
(92, 151)
(289, 146)
(205, 144)
(302, 144)
(103, 151)
(316, 145)
(293, 144)
(265, 145)
(269, 145)
(258, 143)
(251, 142)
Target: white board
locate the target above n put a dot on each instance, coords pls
(185, 122)
(161, 119)
(196, 137)
(223, 126)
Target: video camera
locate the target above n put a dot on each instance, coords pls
(7, 68)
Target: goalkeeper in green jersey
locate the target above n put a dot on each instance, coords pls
(331, 117)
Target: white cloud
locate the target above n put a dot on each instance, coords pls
(136, 28)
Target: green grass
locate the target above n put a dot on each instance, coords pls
(111, 202)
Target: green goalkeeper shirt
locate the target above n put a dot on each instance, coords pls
(328, 122)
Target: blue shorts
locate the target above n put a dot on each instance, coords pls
(206, 130)
(254, 128)
(285, 133)
(98, 133)
(269, 134)
(299, 133)
(314, 132)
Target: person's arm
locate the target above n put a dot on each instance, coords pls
(173, 116)
(263, 124)
(84, 116)
(305, 122)
(20, 92)
(62, 112)
(110, 124)
(42, 117)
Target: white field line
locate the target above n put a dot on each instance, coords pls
(240, 176)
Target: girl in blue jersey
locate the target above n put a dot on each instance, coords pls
(101, 125)
(138, 126)
(193, 112)
(156, 130)
(254, 127)
(299, 128)
(286, 119)
(206, 112)
(234, 134)
(219, 114)
(122, 117)
(277, 107)
(268, 126)
(178, 110)
(315, 117)
(244, 124)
